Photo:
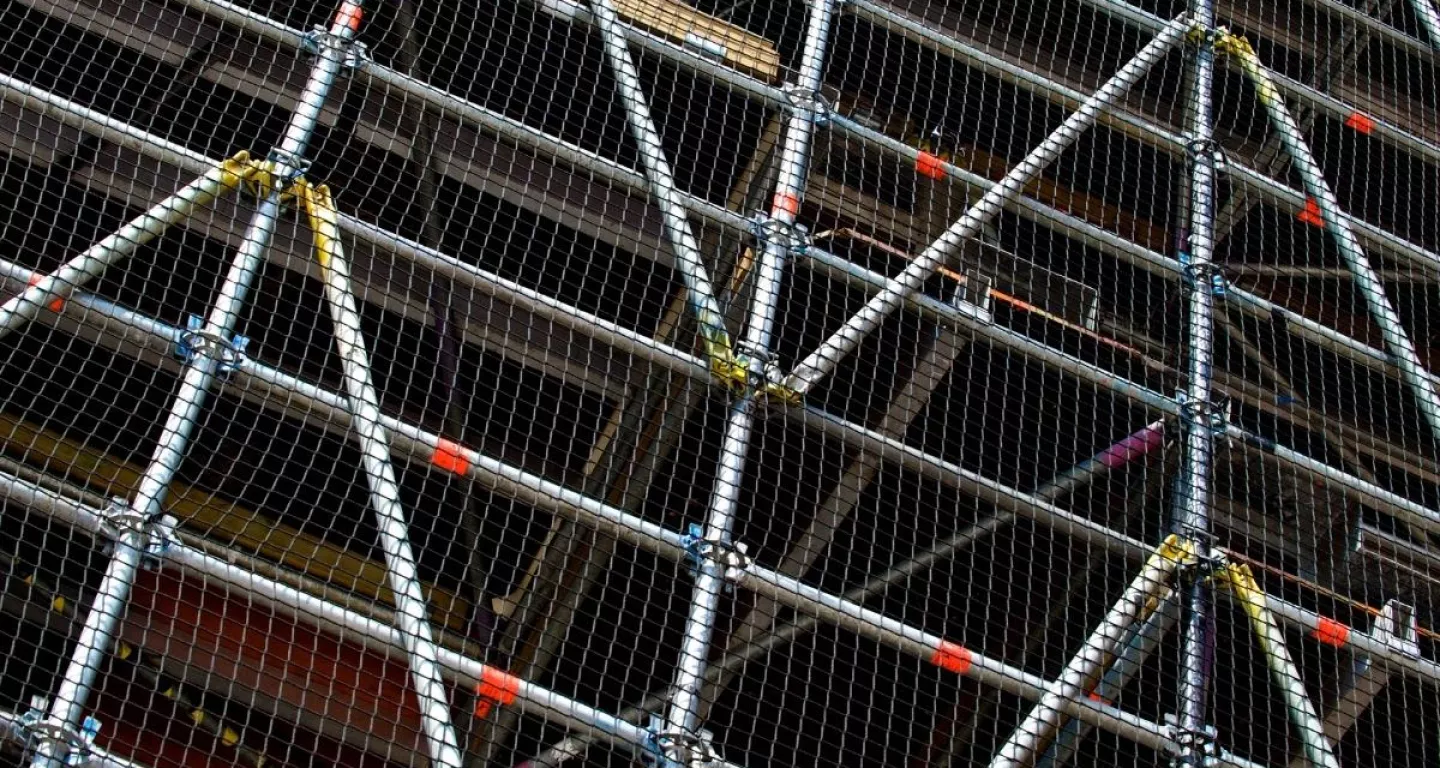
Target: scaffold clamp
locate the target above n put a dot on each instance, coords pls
(732, 557)
(34, 730)
(1202, 273)
(1214, 414)
(319, 38)
(197, 342)
(1194, 749)
(156, 535)
(794, 238)
(680, 749)
(810, 102)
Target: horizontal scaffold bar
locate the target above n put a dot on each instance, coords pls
(279, 390)
(631, 342)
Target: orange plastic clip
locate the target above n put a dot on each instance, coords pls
(930, 165)
(450, 456)
(496, 688)
(1311, 213)
(1360, 122)
(1331, 632)
(56, 304)
(952, 657)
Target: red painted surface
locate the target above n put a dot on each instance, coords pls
(1310, 214)
(221, 633)
(1331, 632)
(930, 165)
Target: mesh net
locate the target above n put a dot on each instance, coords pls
(729, 383)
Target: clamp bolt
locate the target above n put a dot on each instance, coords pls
(197, 342)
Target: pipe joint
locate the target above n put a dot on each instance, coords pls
(198, 341)
(152, 536)
(809, 103)
(1193, 748)
(71, 746)
(320, 39)
(670, 748)
(1213, 415)
(732, 558)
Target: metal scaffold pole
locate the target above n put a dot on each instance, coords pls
(678, 740)
(90, 265)
(1367, 282)
(848, 337)
(1029, 739)
(139, 524)
(662, 186)
(411, 613)
(1200, 420)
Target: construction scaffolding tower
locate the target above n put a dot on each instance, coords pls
(827, 382)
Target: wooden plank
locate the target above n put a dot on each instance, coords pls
(677, 22)
(202, 512)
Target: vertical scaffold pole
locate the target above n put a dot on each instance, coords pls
(662, 185)
(412, 613)
(137, 526)
(848, 337)
(99, 257)
(683, 717)
(1192, 514)
(1397, 341)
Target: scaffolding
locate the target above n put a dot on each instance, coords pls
(707, 410)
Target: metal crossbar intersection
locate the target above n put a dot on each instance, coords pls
(366, 417)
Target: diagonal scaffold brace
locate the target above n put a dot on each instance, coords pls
(699, 289)
(823, 361)
(139, 529)
(51, 290)
(411, 613)
(1367, 281)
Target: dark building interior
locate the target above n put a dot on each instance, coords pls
(1056, 333)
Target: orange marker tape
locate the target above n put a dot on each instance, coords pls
(930, 165)
(349, 16)
(952, 657)
(57, 304)
(1311, 213)
(784, 202)
(496, 687)
(450, 456)
(1331, 632)
(1100, 699)
(1361, 122)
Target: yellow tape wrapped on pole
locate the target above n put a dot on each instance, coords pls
(52, 289)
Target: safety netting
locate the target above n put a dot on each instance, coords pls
(719, 383)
